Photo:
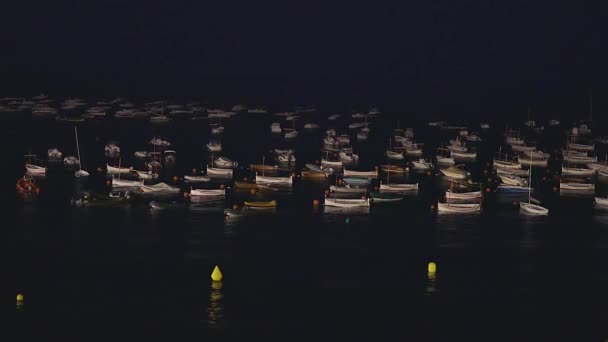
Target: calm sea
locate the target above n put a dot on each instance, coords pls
(135, 272)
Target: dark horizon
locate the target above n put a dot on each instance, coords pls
(445, 59)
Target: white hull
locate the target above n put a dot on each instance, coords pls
(346, 203)
(445, 160)
(576, 172)
(444, 208)
(207, 193)
(532, 209)
(115, 170)
(464, 196)
(262, 180)
(533, 162)
(215, 172)
(197, 179)
(34, 170)
(398, 187)
(360, 174)
(581, 147)
(394, 155)
(464, 156)
(501, 164)
(577, 187)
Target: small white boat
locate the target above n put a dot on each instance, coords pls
(346, 203)
(463, 196)
(576, 187)
(504, 164)
(484, 126)
(512, 180)
(286, 158)
(577, 172)
(71, 161)
(601, 203)
(160, 142)
(457, 148)
(112, 151)
(34, 170)
(356, 125)
(54, 154)
(311, 126)
(532, 162)
(197, 179)
(219, 173)
(574, 159)
(523, 148)
(224, 163)
(214, 147)
(291, 133)
(141, 154)
(275, 128)
(458, 208)
(597, 166)
(454, 172)
(208, 193)
(413, 151)
(279, 181)
(112, 170)
(445, 160)
(536, 154)
(394, 187)
(343, 139)
(217, 130)
(464, 156)
(347, 190)
(159, 189)
(581, 147)
(362, 136)
(125, 184)
(394, 155)
(513, 172)
(361, 174)
(330, 133)
(325, 164)
(421, 164)
(531, 209)
(515, 141)
(333, 117)
(348, 157)
(145, 175)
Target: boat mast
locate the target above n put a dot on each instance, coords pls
(78, 148)
(530, 180)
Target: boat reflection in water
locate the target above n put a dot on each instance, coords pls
(215, 310)
(431, 280)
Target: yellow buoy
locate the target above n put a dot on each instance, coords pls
(20, 297)
(432, 267)
(216, 275)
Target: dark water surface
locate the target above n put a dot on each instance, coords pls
(131, 271)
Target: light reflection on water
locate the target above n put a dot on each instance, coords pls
(215, 309)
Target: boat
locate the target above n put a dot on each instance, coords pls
(261, 205)
(387, 168)
(346, 202)
(141, 154)
(347, 190)
(464, 156)
(382, 197)
(286, 158)
(445, 160)
(529, 208)
(523, 148)
(348, 157)
(278, 181)
(80, 173)
(458, 208)
(197, 179)
(113, 170)
(601, 203)
(577, 172)
(512, 189)
(333, 117)
(314, 176)
(576, 187)
(531, 161)
(208, 193)
(125, 184)
(54, 154)
(214, 147)
(536, 154)
(71, 161)
(514, 141)
(457, 148)
(462, 196)
(577, 159)
(290, 133)
(35, 170)
(361, 174)
(421, 164)
(398, 187)
(224, 163)
(581, 147)
(393, 155)
(315, 169)
(217, 130)
(219, 173)
(112, 151)
(455, 172)
(362, 136)
(512, 180)
(311, 125)
(504, 164)
(328, 164)
(357, 182)
(526, 208)
(159, 142)
(263, 168)
(159, 189)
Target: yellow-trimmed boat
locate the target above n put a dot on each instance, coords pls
(269, 204)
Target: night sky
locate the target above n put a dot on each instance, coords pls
(438, 56)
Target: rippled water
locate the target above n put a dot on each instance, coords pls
(132, 271)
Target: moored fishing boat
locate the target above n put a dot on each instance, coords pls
(159, 189)
(472, 196)
(576, 187)
(601, 203)
(35, 170)
(196, 179)
(126, 184)
(455, 172)
(394, 155)
(224, 163)
(533, 161)
(346, 202)
(276, 181)
(382, 197)
(396, 187)
(458, 208)
(113, 170)
(219, 173)
(261, 205)
(581, 147)
(577, 172)
(207, 193)
(275, 128)
(464, 156)
(512, 189)
(361, 174)
(421, 165)
(531, 209)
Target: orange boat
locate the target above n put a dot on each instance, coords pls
(26, 188)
